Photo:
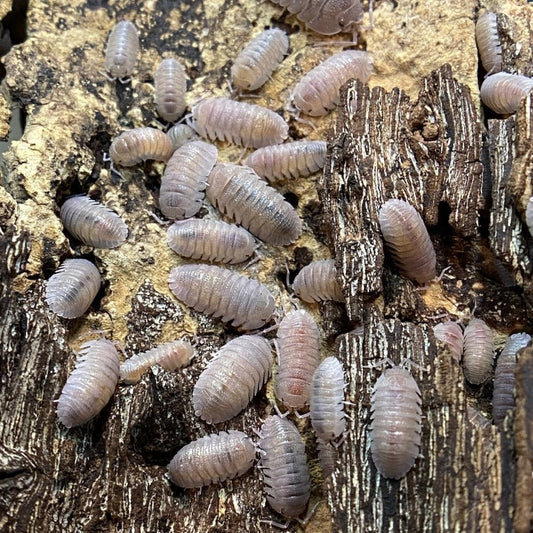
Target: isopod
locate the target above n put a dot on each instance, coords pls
(185, 179)
(284, 466)
(298, 344)
(71, 290)
(212, 459)
(317, 281)
(502, 92)
(408, 240)
(180, 134)
(502, 396)
(259, 59)
(90, 385)
(170, 355)
(243, 196)
(488, 42)
(170, 84)
(451, 334)
(211, 240)
(239, 123)
(140, 144)
(327, 455)
(529, 216)
(222, 293)
(233, 377)
(290, 160)
(318, 92)
(92, 223)
(122, 50)
(478, 351)
(395, 432)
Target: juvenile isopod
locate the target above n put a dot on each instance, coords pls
(232, 378)
(180, 134)
(239, 193)
(408, 240)
(488, 42)
(140, 144)
(170, 355)
(211, 240)
(317, 281)
(478, 351)
(318, 92)
(529, 216)
(327, 455)
(259, 59)
(170, 84)
(122, 50)
(289, 160)
(224, 294)
(90, 385)
(212, 459)
(71, 290)
(451, 334)
(92, 223)
(502, 92)
(395, 431)
(185, 179)
(239, 123)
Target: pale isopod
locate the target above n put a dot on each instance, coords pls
(238, 192)
(318, 281)
(478, 352)
(90, 385)
(211, 240)
(185, 179)
(122, 50)
(451, 334)
(170, 86)
(140, 144)
(180, 134)
(239, 123)
(71, 290)
(222, 293)
(92, 223)
(529, 216)
(502, 92)
(408, 240)
(212, 459)
(488, 42)
(234, 376)
(327, 455)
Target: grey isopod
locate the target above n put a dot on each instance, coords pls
(327, 455)
(185, 178)
(212, 459)
(92, 223)
(90, 385)
(529, 216)
(224, 294)
(71, 290)
(488, 42)
(317, 281)
(180, 134)
(478, 351)
(211, 240)
(170, 84)
(140, 144)
(451, 334)
(238, 192)
(232, 378)
(122, 50)
(502, 92)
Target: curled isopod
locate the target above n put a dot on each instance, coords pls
(318, 281)
(232, 378)
(170, 84)
(502, 396)
(478, 351)
(298, 345)
(92, 223)
(408, 240)
(502, 92)
(239, 123)
(181, 134)
(318, 92)
(289, 160)
(396, 423)
(210, 240)
(451, 334)
(529, 216)
(185, 179)
(90, 385)
(212, 459)
(140, 144)
(242, 195)
(488, 42)
(71, 290)
(284, 466)
(170, 355)
(222, 293)
(259, 59)
(122, 50)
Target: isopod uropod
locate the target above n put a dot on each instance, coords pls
(122, 50)
(488, 42)
(502, 92)
(478, 351)
(451, 334)
(170, 86)
(317, 281)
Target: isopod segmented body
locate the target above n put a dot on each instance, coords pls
(327, 455)
(140, 144)
(233, 377)
(290, 160)
(259, 59)
(451, 334)
(478, 351)
(211, 240)
(212, 459)
(92, 223)
(284, 466)
(90, 385)
(488, 42)
(71, 290)
(224, 294)
(395, 431)
(318, 92)
(122, 50)
(502, 92)
(239, 123)
(181, 134)
(317, 281)
(529, 216)
(170, 84)
(408, 240)
(242, 195)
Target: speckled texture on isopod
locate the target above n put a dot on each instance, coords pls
(170, 82)
(181, 134)
(317, 281)
(451, 334)
(488, 42)
(478, 351)
(140, 144)
(502, 92)
(122, 50)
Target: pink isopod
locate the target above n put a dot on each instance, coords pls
(170, 83)
(478, 351)
(122, 50)
(451, 334)
(488, 42)
(317, 281)
(181, 134)
(502, 92)
(140, 144)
